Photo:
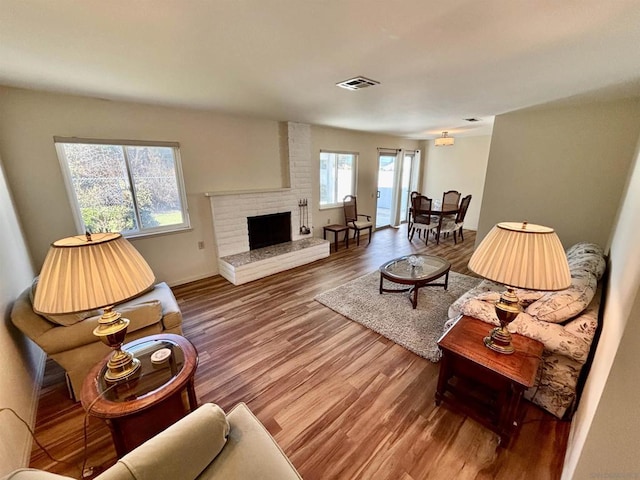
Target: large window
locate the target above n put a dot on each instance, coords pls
(337, 177)
(135, 188)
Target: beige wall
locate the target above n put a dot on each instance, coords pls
(366, 145)
(219, 153)
(22, 362)
(575, 168)
(564, 167)
(461, 167)
(604, 435)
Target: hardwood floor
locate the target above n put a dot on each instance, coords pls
(342, 401)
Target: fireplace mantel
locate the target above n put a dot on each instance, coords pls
(243, 192)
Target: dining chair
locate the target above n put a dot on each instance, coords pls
(351, 218)
(454, 225)
(451, 197)
(412, 195)
(422, 218)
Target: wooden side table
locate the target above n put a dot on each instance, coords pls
(336, 229)
(158, 396)
(484, 384)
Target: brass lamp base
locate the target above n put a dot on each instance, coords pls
(500, 341)
(121, 366)
(112, 329)
(507, 309)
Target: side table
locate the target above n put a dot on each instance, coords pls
(336, 229)
(157, 396)
(484, 384)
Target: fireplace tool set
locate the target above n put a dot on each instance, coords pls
(303, 207)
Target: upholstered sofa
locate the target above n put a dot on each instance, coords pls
(69, 339)
(206, 444)
(565, 322)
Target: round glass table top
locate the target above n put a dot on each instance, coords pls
(416, 267)
(167, 363)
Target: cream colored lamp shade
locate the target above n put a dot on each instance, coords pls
(445, 140)
(519, 255)
(86, 272)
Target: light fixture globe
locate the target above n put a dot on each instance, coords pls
(444, 141)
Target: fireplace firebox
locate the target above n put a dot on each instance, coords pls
(267, 230)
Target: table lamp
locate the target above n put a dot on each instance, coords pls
(86, 272)
(519, 255)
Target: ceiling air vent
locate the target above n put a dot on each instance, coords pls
(357, 83)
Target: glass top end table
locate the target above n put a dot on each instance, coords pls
(417, 271)
(150, 377)
(158, 395)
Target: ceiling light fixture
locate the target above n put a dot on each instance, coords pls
(445, 140)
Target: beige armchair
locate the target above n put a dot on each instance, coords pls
(206, 444)
(69, 339)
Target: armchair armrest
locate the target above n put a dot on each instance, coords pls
(368, 217)
(181, 452)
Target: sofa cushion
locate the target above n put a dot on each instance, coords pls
(560, 306)
(585, 261)
(584, 247)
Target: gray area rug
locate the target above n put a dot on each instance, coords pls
(391, 314)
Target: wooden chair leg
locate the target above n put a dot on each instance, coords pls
(370, 233)
(461, 236)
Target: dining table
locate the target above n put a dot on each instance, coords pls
(440, 210)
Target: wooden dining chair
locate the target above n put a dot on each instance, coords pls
(412, 195)
(422, 218)
(351, 218)
(454, 225)
(452, 197)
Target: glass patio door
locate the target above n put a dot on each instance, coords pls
(397, 177)
(386, 190)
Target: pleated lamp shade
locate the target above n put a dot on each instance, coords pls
(88, 272)
(522, 255)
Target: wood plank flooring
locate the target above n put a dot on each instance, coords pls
(342, 401)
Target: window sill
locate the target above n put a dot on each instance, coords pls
(136, 236)
(330, 207)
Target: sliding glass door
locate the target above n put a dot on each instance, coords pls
(397, 177)
(386, 181)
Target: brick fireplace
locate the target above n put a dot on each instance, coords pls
(230, 210)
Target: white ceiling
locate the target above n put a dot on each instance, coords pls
(437, 62)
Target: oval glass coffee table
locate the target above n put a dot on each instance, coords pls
(417, 271)
(158, 395)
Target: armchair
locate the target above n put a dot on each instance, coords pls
(206, 444)
(69, 340)
(351, 218)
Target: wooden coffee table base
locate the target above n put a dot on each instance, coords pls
(484, 384)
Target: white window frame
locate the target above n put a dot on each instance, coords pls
(354, 180)
(141, 231)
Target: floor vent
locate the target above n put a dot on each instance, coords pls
(357, 83)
